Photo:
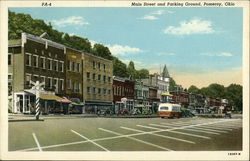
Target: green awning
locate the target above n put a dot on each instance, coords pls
(50, 97)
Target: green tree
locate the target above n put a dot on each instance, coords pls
(234, 96)
(119, 68)
(77, 42)
(143, 73)
(131, 70)
(172, 84)
(193, 89)
(214, 90)
(102, 51)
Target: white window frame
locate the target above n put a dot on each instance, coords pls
(43, 78)
(28, 74)
(56, 61)
(44, 62)
(50, 63)
(62, 81)
(56, 89)
(50, 81)
(69, 84)
(62, 66)
(29, 58)
(36, 65)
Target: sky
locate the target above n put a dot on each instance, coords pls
(199, 46)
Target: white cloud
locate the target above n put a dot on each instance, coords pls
(222, 54)
(194, 26)
(149, 17)
(153, 15)
(165, 54)
(123, 50)
(72, 20)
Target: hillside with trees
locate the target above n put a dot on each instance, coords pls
(19, 23)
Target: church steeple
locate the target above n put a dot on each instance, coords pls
(165, 73)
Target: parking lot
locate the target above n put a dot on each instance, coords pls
(125, 134)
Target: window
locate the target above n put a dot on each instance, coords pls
(55, 83)
(9, 59)
(88, 75)
(76, 87)
(35, 78)
(73, 66)
(42, 78)
(73, 86)
(93, 76)
(93, 90)
(69, 83)
(35, 60)
(99, 90)
(62, 67)
(104, 67)
(50, 64)
(68, 65)
(88, 89)
(50, 82)
(109, 79)
(99, 66)
(79, 87)
(104, 78)
(104, 91)
(9, 84)
(42, 62)
(93, 64)
(78, 67)
(99, 77)
(109, 91)
(28, 59)
(56, 65)
(61, 82)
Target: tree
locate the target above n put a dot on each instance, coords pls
(234, 96)
(131, 69)
(193, 89)
(102, 51)
(143, 73)
(119, 68)
(172, 84)
(214, 90)
(77, 42)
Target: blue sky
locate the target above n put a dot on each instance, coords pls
(199, 45)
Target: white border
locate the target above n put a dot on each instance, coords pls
(176, 155)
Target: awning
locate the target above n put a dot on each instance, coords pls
(50, 97)
(64, 100)
(166, 94)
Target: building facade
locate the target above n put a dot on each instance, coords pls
(123, 93)
(73, 75)
(33, 58)
(97, 83)
(181, 98)
(141, 96)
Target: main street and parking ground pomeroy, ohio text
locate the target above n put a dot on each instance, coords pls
(183, 4)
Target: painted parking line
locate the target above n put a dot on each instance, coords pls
(89, 140)
(37, 142)
(112, 132)
(189, 129)
(216, 128)
(164, 136)
(177, 132)
(211, 130)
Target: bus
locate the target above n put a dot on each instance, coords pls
(169, 110)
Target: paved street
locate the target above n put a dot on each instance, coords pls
(125, 134)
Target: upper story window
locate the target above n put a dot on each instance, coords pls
(42, 62)
(50, 64)
(56, 65)
(73, 66)
(28, 59)
(109, 79)
(99, 77)
(99, 90)
(35, 60)
(104, 78)
(9, 59)
(27, 79)
(93, 76)
(99, 66)
(61, 66)
(88, 89)
(69, 83)
(94, 64)
(93, 90)
(78, 67)
(104, 67)
(88, 75)
(68, 65)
